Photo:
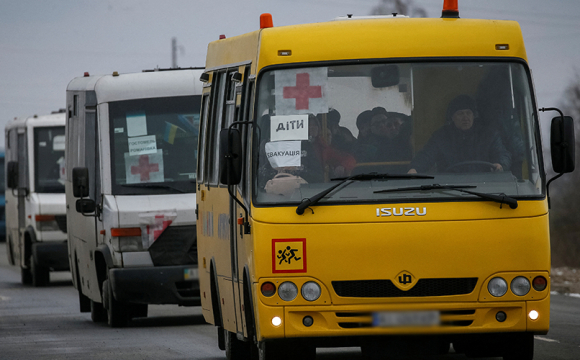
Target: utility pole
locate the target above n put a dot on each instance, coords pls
(174, 53)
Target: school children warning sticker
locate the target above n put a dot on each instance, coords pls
(288, 255)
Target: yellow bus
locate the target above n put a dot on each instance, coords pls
(375, 182)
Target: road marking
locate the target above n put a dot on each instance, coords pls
(546, 339)
(4, 298)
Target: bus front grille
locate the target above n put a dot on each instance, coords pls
(386, 289)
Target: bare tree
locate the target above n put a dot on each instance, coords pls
(565, 227)
(404, 7)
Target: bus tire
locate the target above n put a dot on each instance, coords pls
(139, 310)
(40, 274)
(274, 350)
(235, 349)
(26, 276)
(117, 311)
(98, 312)
(521, 348)
(9, 251)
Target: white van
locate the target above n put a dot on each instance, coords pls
(35, 201)
(131, 142)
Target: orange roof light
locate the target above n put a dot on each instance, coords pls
(266, 21)
(450, 9)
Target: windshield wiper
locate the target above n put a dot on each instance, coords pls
(359, 177)
(153, 185)
(501, 198)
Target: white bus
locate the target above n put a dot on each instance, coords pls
(131, 143)
(35, 202)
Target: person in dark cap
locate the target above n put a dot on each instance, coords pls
(342, 138)
(462, 141)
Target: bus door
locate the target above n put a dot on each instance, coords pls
(23, 189)
(237, 105)
(82, 133)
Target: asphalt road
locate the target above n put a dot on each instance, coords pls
(45, 323)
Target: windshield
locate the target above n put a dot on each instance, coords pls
(154, 145)
(49, 159)
(468, 123)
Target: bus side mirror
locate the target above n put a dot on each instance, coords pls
(80, 182)
(385, 76)
(85, 206)
(562, 144)
(12, 175)
(230, 156)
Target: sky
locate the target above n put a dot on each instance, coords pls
(44, 44)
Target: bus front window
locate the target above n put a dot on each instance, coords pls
(154, 145)
(468, 123)
(49, 159)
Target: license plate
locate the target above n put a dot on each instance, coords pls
(406, 318)
(190, 274)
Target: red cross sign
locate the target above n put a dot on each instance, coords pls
(159, 227)
(302, 92)
(144, 168)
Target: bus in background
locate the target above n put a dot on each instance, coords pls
(130, 191)
(35, 204)
(385, 189)
(2, 199)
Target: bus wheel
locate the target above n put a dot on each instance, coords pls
(117, 311)
(236, 349)
(40, 274)
(139, 310)
(520, 348)
(9, 252)
(274, 350)
(98, 312)
(26, 276)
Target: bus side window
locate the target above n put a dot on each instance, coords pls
(205, 103)
(218, 92)
(243, 115)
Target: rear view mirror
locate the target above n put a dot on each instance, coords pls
(385, 76)
(230, 156)
(80, 182)
(12, 175)
(562, 144)
(85, 206)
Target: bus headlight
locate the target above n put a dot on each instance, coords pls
(497, 287)
(310, 291)
(287, 291)
(520, 286)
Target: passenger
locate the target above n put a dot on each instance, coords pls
(389, 139)
(342, 138)
(340, 163)
(363, 123)
(462, 140)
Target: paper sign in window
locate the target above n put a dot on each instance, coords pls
(144, 168)
(289, 127)
(136, 124)
(142, 145)
(283, 153)
(301, 91)
(58, 143)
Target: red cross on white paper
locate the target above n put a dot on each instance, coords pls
(144, 168)
(302, 92)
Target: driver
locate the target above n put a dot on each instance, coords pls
(462, 140)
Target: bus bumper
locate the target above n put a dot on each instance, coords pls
(357, 320)
(157, 285)
(52, 255)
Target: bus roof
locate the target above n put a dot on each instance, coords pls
(141, 85)
(55, 119)
(376, 38)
